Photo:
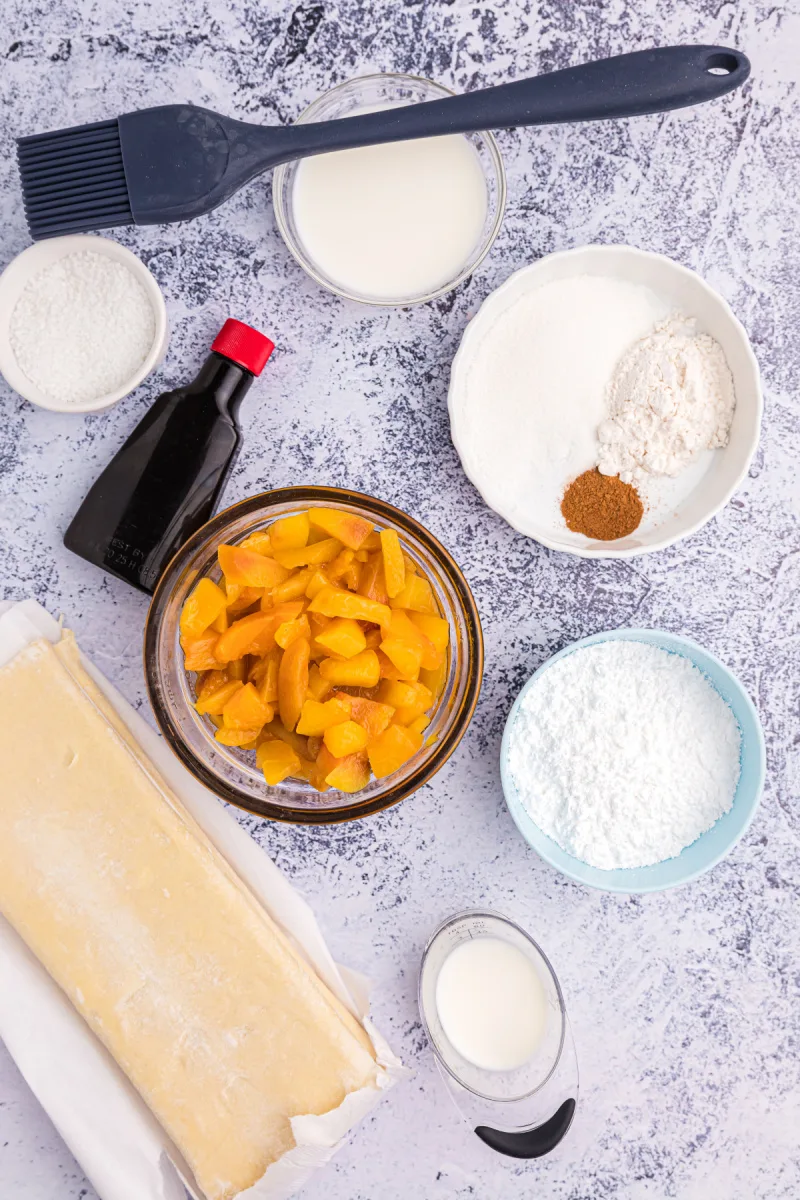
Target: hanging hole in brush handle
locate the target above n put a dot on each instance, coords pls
(723, 62)
(530, 1143)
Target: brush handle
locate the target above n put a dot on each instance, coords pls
(181, 161)
(629, 85)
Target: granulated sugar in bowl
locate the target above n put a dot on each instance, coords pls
(82, 323)
(632, 761)
(81, 327)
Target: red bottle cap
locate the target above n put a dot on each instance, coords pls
(243, 345)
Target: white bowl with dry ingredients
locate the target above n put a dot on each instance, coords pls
(605, 401)
(82, 323)
(633, 760)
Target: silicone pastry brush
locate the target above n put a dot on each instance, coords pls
(176, 162)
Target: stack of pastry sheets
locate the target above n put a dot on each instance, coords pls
(218, 1022)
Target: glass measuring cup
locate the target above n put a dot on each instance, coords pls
(524, 1112)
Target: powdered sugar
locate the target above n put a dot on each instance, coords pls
(82, 327)
(670, 397)
(624, 754)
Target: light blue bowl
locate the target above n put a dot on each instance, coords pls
(711, 846)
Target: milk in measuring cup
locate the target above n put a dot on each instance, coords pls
(491, 1003)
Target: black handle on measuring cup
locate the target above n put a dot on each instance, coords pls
(530, 1143)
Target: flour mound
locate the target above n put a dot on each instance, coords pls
(670, 397)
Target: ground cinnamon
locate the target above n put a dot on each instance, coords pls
(601, 506)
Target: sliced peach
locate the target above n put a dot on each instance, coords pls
(317, 582)
(246, 710)
(417, 595)
(293, 682)
(241, 598)
(352, 577)
(405, 656)
(305, 770)
(258, 541)
(200, 651)
(314, 554)
(435, 680)
(419, 724)
(394, 567)
(410, 700)
(343, 636)
(389, 671)
(245, 739)
(318, 688)
(214, 701)
(237, 669)
(249, 568)
(391, 749)
(277, 760)
(265, 675)
(292, 589)
(403, 627)
(222, 622)
(362, 670)
(372, 582)
(344, 738)
(290, 631)
(289, 533)
(373, 715)
(340, 564)
(202, 608)
(349, 774)
(351, 531)
(287, 610)
(254, 634)
(315, 744)
(336, 602)
(277, 730)
(208, 682)
(436, 630)
(316, 717)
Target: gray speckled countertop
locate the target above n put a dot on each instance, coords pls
(684, 1005)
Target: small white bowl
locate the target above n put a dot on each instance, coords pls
(30, 262)
(683, 290)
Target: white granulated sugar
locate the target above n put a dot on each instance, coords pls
(624, 754)
(82, 327)
(535, 390)
(671, 396)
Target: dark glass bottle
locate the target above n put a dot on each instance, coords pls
(166, 480)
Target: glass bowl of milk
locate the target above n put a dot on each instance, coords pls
(494, 1013)
(396, 224)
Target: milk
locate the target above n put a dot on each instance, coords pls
(392, 222)
(491, 1004)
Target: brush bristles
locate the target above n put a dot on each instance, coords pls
(73, 180)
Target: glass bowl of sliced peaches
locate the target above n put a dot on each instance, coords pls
(313, 655)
